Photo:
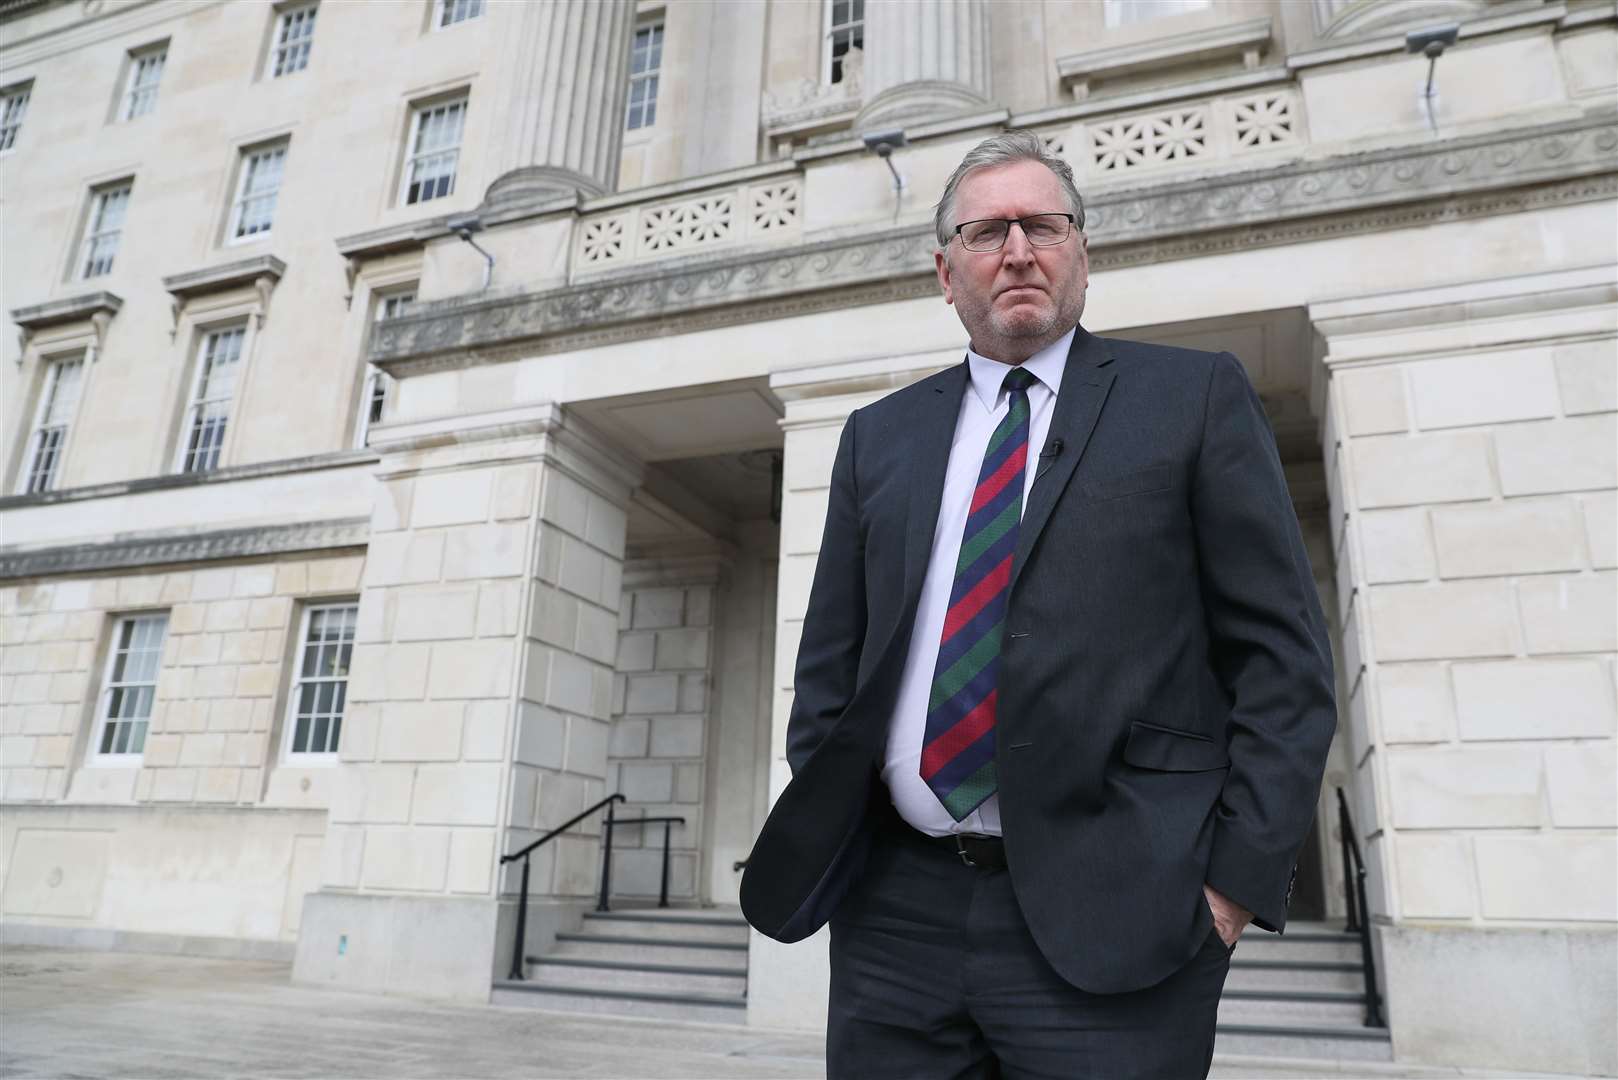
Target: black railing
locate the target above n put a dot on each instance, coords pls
(606, 866)
(1359, 915)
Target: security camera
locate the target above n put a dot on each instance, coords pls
(1432, 42)
(464, 226)
(883, 143)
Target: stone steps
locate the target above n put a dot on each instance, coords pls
(1304, 1041)
(665, 963)
(1301, 994)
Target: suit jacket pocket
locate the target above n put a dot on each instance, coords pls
(1154, 478)
(1168, 750)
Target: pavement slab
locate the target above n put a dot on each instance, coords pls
(109, 1016)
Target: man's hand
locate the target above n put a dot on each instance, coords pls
(1229, 916)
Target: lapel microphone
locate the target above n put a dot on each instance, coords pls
(1052, 448)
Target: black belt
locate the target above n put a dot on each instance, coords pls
(984, 852)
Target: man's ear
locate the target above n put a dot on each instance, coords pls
(941, 263)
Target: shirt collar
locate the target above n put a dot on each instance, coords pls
(1046, 365)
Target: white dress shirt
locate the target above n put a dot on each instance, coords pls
(983, 406)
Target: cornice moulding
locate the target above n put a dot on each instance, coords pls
(1395, 43)
(137, 550)
(1411, 185)
(37, 317)
(339, 459)
(1245, 40)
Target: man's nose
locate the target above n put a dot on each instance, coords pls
(1017, 249)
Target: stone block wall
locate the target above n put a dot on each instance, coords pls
(214, 742)
(1472, 465)
(659, 742)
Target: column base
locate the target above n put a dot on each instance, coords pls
(420, 946)
(915, 101)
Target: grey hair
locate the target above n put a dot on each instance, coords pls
(1003, 149)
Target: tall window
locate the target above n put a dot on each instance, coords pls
(294, 34)
(450, 12)
(104, 228)
(145, 73)
(257, 187)
(13, 107)
(645, 60)
(1124, 12)
(57, 401)
(209, 412)
(378, 383)
(130, 685)
(320, 689)
(845, 30)
(435, 149)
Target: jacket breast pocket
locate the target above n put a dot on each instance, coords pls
(1170, 750)
(1138, 482)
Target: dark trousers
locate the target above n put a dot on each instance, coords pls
(934, 976)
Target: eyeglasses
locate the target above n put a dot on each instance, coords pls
(989, 234)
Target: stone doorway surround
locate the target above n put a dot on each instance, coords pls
(1470, 434)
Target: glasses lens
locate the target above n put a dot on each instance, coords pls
(983, 235)
(1045, 230)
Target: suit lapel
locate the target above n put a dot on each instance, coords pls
(1085, 383)
(935, 431)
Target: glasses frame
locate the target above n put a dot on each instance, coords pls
(1072, 220)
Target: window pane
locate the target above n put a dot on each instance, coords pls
(322, 688)
(13, 107)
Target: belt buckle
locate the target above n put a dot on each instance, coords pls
(960, 849)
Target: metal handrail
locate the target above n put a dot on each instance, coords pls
(1359, 913)
(606, 866)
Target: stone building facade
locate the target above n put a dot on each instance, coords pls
(419, 420)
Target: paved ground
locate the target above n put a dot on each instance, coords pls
(78, 1015)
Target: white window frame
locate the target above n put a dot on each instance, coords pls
(49, 391)
(1118, 13)
(828, 29)
(378, 384)
(290, 755)
(144, 78)
(288, 57)
(650, 75)
(101, 239)
(13, 111)
(253, 162)
(194, 403)
(415, 156)
(448, 13)
(126, 759)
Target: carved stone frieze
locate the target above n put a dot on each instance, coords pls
(1489, 174)
(190, 547)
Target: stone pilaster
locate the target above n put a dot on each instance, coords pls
(563, 85)
(924, 59)
(479, 700)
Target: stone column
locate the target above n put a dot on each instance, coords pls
(479, 702)
(564, 73)
(924, 59)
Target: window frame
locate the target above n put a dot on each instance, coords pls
(22, 92)
(245, 156)
(284, 14)
(92, 232)
(828, 28)
(295, 681)
(94, 757)
(375, 376)
(51, 368)
(657, 26)
(191, 404)
(136, 62)
(420, 110)
(436, 21)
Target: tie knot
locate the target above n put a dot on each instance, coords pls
(1019, 378)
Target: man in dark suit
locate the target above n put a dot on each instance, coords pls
(1064, 693)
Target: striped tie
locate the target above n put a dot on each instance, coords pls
(957, 755)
